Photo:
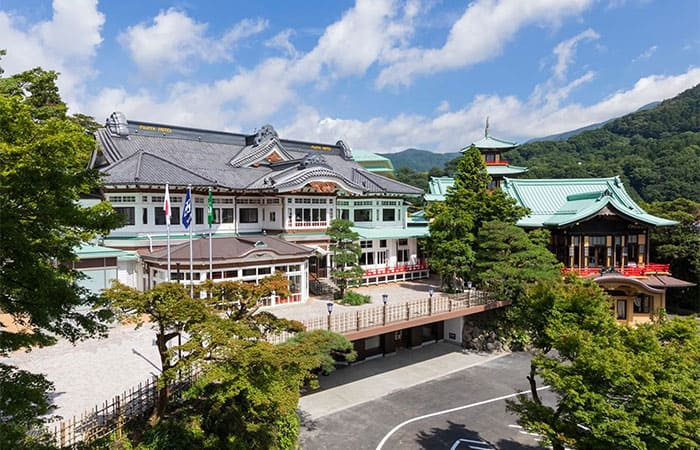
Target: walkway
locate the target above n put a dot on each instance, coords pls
(370, 380)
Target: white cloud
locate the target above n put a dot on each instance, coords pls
(480, 34)
(510, 118)
(444, 106)
(174, 40)
(646, 54)
(282, 42)
(52, 44)
(565, 51)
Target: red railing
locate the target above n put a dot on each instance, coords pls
(502, 162)
(419, 266)
(628, 271)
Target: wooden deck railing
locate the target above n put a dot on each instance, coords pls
(379, 316)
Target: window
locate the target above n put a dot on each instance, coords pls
(642, 304)
(388, 215)
(249, 272)
(345, 214)
(366, 258)
(403, 242)
(231, 274)
(264, 271)
(160, 215)
(596, 241)
(273, 216)
(402, 255)
(248, 215)
(199, 216)
(227, 215)
(622, 310)
(128, 213)
(362, 215)
(382, 243)
(144, 216)
(122, 198)
(365, 244)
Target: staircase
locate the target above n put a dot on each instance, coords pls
(322, 286)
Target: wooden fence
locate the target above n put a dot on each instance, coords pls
(379, 316)
(110, 417)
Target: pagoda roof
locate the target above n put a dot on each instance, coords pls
(507, 169)
(437, 188)
(562, 202)
(490, 142)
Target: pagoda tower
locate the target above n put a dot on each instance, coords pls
(491, 148)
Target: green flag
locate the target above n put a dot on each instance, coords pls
(210, 208)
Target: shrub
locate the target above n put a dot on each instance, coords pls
(353, 298)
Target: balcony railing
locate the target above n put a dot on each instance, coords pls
(381, 316)
(502, 162)
(628, 271)
(419, 266)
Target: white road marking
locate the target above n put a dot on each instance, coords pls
(468, 441)
(516, 426)
(447, 411)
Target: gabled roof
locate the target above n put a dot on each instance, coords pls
(506, 169)
(372, 161)
(140, 153)
(437, 188)
(562, 202)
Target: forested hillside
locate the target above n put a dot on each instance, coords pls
(419, 160)
(656, 151)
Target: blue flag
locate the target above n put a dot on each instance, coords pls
(187, 209)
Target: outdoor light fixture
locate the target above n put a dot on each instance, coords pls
(431, 292)
(385, 298)
(469, 284)
(329, 305)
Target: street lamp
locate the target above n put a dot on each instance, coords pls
(431, 291)
(469, 284)
(385, 299)
(329, 305)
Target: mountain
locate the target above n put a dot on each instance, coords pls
(419, 160)
(656, 151)
(569, 134)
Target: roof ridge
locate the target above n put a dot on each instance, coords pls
(179, 167)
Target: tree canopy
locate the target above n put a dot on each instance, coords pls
(616, 386)
(454, 225)
(346, 254)
(43, 155)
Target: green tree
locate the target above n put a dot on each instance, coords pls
(248, 390)
(43, 156)
(508, 259)
(616, 387)
(468, 205)
(171, 310)
(679, 246)
(346, 254)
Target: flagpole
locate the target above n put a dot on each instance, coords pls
(166, 208)
(210, 211)
(189, 194)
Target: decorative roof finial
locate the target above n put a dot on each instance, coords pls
(486, 130)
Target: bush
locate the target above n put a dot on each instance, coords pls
(355, 299)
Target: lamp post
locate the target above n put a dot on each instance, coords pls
(469, 284)
(329, 305)
(385, 299)
(431, 291)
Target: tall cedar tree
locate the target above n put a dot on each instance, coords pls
(456, 221)
(346, 254)
(43, 156)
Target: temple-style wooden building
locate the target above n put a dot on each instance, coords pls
(598, 231)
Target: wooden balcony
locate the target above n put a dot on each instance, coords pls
(418, 267)
(628, 271)
(367, 322)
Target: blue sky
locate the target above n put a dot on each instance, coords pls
(382, 75)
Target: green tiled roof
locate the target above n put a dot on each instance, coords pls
(89, 251)
(505, 170)
(567, 201)
(391, 233)
(492, 142)
(365, 156)
(437, 188)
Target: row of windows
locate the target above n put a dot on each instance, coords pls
(184, 275)
(365, 215)
(314, 200)
(221, 215)
(370, 257)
